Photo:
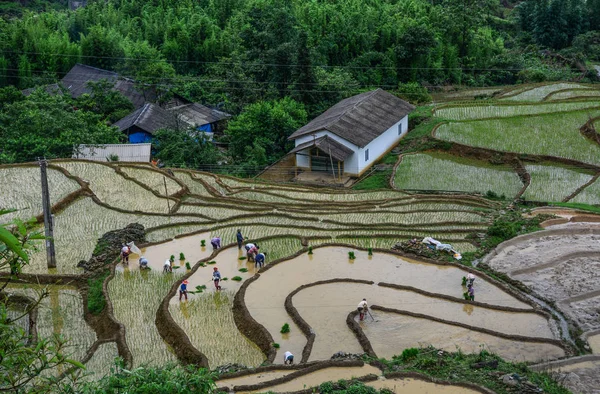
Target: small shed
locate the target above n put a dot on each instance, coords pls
(140, 153)
(201, 117)
(351, 136)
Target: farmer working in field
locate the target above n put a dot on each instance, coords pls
(216, 243)
(240, 238)
(183, 289)
(471, 292)
(167, 266)
(252, 252)
(259, 260)
(470, 278)
(216, 278)
(288, 358)
(143, 263)
(125, 252)
(363, 308)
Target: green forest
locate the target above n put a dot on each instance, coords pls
(236, 54)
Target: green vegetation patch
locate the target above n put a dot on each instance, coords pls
(553, 182)
(96, 300)
(550, 134)
(484, 368)
(442, 171)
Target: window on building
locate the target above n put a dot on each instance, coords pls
(367, 155)
(400, 128)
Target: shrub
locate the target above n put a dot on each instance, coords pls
(237, 278)
(310, 250)
(370, 250)
(464, 280)
(243, 258)
(225, 278)
(414, 93)
(351, 255)
(243, 270)
(466, 295)
(285, 328)
(212, 262)
(276, 345)
(172, 258)
(187, 265)
(181, 256)
(96, 301)
(202, 265)
(409, 353)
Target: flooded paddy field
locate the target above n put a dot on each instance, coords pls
(285, 221)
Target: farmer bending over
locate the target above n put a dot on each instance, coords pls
(125, 251)
(363, 308)
(252, 252)
(259, 260)
(470, 278)
(216, 278)
(288, 358)
(183, 289)
(167, 266)
(143, 263)
(216, 242)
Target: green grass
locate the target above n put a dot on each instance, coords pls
(550, 134)
(580, 206)
(456, 367)
(377, 180)
(553, 182)
(477, 111)
(96, 301)
(442, 171)
(589, 195)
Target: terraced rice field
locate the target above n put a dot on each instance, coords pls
(549, 134)
(589, 195)
(552, 182)
(439, 171)
(284, 221)
(572, 94)
(540, 92)
(465, 112)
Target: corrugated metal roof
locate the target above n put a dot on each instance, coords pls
(125, 152)
(359, 119)
(327, 145)
(197, 114)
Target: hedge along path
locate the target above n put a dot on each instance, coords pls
(527, 135)
(328, 319)
(22, 190)
(495, 110)
(268, 291)
(440, 171)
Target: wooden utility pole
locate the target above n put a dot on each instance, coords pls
(167, 193)
(48, 226)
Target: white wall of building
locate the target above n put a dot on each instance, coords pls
(380, 145)
(356, 163)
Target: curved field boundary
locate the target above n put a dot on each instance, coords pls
(463, 301)
(426, 378)
(580, 297)
(554, 262)
(564, 363)
(548, 98)
(258, 334)
(524, 115)
(582, 188)
(362, 339)
(302, 324)
(184, 189)
(527, 237)
(518, 338)
(298, 374)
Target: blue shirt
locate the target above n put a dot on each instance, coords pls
(216, 275)
(260, 258)
(183, 287)
(240, 238)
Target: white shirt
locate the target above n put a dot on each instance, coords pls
(287, 354)
(470, 276)
(250, 246)
(125, 249)
(362, 304)
(167, 263)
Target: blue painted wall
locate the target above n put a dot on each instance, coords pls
(139, 138)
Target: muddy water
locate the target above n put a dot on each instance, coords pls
(265, 297)
(393, 333)
(414, 386)
(253, 379)
(328, 320)
(594, 342)
(158, 254)
(314, 379)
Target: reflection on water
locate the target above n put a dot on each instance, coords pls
(414, 386)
